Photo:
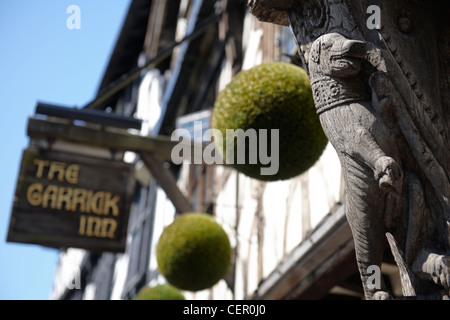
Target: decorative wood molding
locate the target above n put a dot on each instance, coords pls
(382, 96)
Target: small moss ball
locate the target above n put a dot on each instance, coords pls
(193, 252)
(274, 95)
(159, 292)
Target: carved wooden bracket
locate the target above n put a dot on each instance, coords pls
(274, 11)
(382, 94)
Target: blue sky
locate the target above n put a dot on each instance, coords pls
(42, 60)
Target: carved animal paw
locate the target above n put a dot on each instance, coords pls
(388, 174)
(382, 295)
(438, 267)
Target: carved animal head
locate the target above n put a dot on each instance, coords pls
(336, 56)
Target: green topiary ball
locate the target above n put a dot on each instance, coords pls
(159, 292)
(193, 252)
(273, 95)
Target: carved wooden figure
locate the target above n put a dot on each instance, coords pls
(383, 96)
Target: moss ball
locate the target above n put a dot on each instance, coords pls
(274, 95)
(159, 292)
(193, 252)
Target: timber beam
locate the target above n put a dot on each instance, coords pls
(154, 151)
(166, 181)
(324, 250)
(109, 138)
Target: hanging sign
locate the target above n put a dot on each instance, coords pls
(66, 200)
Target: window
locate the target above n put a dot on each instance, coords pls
(140, 228)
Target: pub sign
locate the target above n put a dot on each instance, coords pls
(67, 200)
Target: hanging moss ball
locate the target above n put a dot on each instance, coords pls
(193, 252)
(159, 292)
(274, 95)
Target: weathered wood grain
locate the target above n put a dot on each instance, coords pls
(382, 96)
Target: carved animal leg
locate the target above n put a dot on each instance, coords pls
(433, 267)
(356, 141)
(388, 174)
(364, 213)
(364, 164)
(385, 169)
(426, 264)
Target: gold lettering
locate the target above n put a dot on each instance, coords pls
(82, 201)
(111, 204)
(97, 227)
(94, 226)
(97, 202)
(79, 198)
(82, 228)
(89, 200)
(50, 195)
(109, 227)
(56, 168)
(64, 195)
(41, 164)
(34, 194)
(72, 172)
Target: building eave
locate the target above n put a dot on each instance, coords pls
(326, 248)
(128, 47)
